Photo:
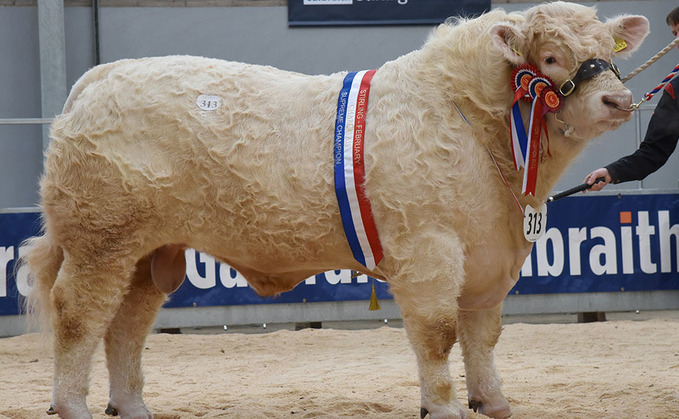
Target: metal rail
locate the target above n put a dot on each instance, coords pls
(25, 121)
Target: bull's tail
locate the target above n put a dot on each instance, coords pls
(44, 259)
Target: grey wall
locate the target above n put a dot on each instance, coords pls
(260, 35)
(20, 146)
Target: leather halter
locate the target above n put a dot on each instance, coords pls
(587, 70)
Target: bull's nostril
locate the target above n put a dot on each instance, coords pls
(609, 101)
(620, 102)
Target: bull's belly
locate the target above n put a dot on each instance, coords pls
(275, 266)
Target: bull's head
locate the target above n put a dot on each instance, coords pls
(570, 45)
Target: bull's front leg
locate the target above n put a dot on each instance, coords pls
(479, 332)
(432, 341)
(427, 292)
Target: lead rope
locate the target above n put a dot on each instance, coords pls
(657, 88)
(653, 59)
(644, 66)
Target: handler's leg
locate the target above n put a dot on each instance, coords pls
(479, 332)
(427, 293)
(125, 341)
(85, 297)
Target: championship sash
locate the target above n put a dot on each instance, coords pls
(357, 218)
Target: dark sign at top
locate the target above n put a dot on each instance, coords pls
(380, 12)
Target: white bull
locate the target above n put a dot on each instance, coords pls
(137, 171)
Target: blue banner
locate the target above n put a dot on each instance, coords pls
(593, 243)
(606, 244)
(14, 229)
(380, 12)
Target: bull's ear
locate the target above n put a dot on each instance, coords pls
(629, 32)
(510, 41)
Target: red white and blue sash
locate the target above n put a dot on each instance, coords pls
(357, 218)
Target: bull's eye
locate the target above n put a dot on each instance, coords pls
(550, 60)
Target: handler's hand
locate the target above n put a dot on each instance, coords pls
(603, 172)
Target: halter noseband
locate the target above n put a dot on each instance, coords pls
(587, 70)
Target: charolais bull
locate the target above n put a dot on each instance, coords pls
(421, 173)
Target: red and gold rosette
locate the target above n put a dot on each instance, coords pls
(552, 99)
(532, 86)
(542, 88)
(521, 78)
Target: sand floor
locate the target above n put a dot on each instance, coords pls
(613, 369)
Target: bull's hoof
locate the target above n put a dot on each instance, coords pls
(475, 405)
(423, 412)
(51, 411)
(111, 411)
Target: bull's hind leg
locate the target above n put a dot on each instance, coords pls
(85, 297)
(125, 341)
(479, 332)
(429, 309)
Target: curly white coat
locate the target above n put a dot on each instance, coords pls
(137, 171)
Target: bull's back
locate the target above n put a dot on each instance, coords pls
(186, 141)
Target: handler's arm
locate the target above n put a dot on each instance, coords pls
(659, 143)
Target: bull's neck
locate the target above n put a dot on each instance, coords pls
(485, 98)
(562, 149)
(458, 66)
(489, 122)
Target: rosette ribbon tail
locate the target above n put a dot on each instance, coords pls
(530, 173)
(518, 132)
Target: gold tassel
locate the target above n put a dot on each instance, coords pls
(374, 304)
